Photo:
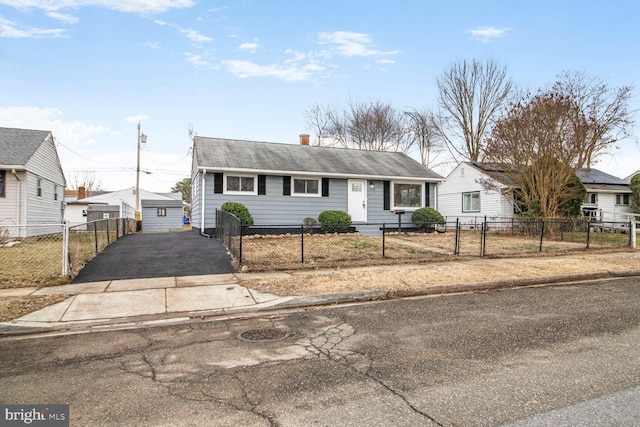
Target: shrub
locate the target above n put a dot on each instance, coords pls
(427, 218)
(309, 223)
(335, 221)
(239, 210)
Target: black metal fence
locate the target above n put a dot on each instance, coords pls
(229, 232)
(85, 241)
(272, 247)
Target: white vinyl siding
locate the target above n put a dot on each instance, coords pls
(471, 202)
(449, 195)
(622, 199)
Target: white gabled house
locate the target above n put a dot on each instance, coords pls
(31, 182)
(464, 196)
(608, 197)
(160, 211)
(282, 184)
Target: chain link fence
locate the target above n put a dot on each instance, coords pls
(38, 253)
(273, 247)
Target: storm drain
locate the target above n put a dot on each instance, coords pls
(259, 335)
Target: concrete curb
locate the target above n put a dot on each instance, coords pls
(8, 330)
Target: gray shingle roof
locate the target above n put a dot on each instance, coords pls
(230, 154)
(495, 171)
(594, 176)
(594, 179)
(18, 145)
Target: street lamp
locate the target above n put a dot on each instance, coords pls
(142, 139)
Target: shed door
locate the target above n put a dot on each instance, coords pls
(357, 199)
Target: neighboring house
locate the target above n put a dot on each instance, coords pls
(162, 215)
(102, 206)
(282, 184)
(608, 198)
(630, 177)
(31, 181)
(463, 195)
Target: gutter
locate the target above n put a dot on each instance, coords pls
(322, 174)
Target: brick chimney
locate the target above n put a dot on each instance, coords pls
(304, 139)
(82, 192)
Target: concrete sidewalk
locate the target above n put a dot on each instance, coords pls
(138, 300)
(133, 303)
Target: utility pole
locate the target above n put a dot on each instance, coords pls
(142, 139)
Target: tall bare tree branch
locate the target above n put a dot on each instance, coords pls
(470, 95)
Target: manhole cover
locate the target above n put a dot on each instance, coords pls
(263, 335)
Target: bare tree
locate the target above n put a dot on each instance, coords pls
(424, 133)
(318, 121)
(601, 112)
(470, 95)
(537, 144)
(373, 126)
(88, 180)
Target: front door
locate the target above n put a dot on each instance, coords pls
(357, 199)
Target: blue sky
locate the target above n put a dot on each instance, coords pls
(90, 70)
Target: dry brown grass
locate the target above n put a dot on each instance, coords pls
(399, 278)
(14, 307)
(284, 252)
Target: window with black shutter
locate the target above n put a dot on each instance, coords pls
(286, 185)
(262, 185)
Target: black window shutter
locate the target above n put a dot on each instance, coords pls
(286, 185)
(217, 183)
(426, 193)
(325, 187)
(386, 187)
(262, 185)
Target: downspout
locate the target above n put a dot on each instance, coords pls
(19, 207)
(202, 202)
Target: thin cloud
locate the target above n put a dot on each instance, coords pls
(191, 34)
(251, 47)
(196, 59)
(195, 36)
(352, 44)
(153, 45)
(135, 6)
(11, 30)
(291, 73)
(137, 118)
(487, 34)
(63, 17)
(73, 133)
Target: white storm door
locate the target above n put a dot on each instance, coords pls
(357, 199)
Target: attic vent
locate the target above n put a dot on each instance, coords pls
(461, 171)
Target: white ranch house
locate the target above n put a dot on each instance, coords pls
(462, 196)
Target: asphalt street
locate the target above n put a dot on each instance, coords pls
(522, 356)
(150, 255)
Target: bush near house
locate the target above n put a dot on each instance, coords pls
(427, 218)
(239, 210)
(334, 221)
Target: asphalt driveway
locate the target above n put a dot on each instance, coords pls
(148, 255)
